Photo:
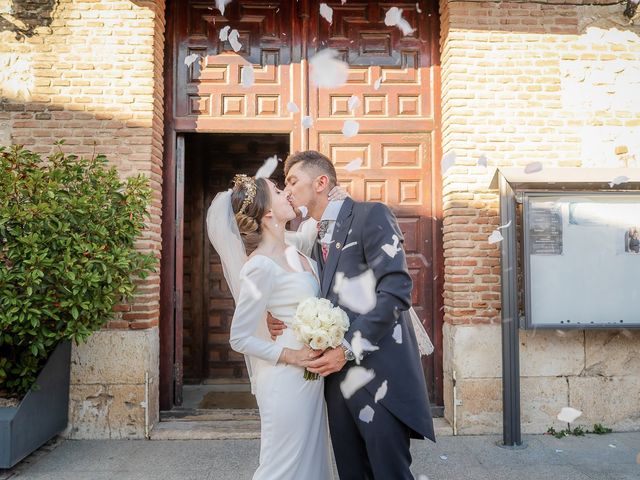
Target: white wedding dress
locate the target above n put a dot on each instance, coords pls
(294, 440)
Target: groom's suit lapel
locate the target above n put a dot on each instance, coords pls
(340, 231)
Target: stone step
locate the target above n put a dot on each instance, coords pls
(227, 424)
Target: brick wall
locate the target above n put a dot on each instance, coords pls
(551, 81)
(90, 72)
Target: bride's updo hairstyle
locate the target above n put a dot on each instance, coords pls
(250, 200)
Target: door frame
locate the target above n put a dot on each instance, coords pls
(170, 325)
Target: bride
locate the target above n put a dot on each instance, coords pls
(275, 278)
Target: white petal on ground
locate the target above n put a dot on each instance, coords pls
(233, 40)
(307, 121)
(419, 11)
(221, 4)
(533, 167)
(559, 451)
(358, 294)
(448, 161)
(568, 414)
(356, 378)
(188, 61)
(223, 35)
(619, 180)
(354, 165)
(612, 445)
(354, 102)
(390, 249)
(495, 237)
(254, 291)
(327, 71)
(326, 12)
(381, 392)
(350, 128)
(482, 161)
(366, 414)
(443, 457)
(292, 107)
(377, 84)
(304, 211)
(267, 169)
(293, 259)
(359, 345)
(397, 333)
(247, 76)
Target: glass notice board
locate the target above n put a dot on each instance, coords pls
(581, 259)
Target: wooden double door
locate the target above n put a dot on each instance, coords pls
(394, 77)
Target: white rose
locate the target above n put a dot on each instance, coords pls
(336, 335)
(320, 340)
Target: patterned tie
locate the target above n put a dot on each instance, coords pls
(323, 226)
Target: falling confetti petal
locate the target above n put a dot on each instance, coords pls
(381, 392)
(366, 414)
(495, 237)
(356, 378)
(482, 161)
(393, 18)
(307, 121)
(221, 4)
(293, 259)
(619, 180)
(354, 165)
(292, 107)
(247, 76)
(360, 345)
(397, 333)
(358, 294)
(533, 167)
(327, 71)
(568, 414)
(188, 61)
(377, 84)
(392, 250)
(326, 12)
(354, 102)
(268, 168)
(233, 40)
(224, 34)
(254, 291)
(559, 451)
(304, 211)
(350, 128)
(448, 161)
(418, 8)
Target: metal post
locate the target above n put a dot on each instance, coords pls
(511, 433)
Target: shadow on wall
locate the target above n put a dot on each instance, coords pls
(24, 17)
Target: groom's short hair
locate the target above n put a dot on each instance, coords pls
(315, 160)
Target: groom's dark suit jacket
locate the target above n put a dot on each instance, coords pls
(360, 231)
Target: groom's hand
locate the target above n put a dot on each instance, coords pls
(276, 327)
(330, 362)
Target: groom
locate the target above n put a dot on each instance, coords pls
(350, 240)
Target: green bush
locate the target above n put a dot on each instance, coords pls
(68, 226)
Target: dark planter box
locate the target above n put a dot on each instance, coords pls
(42, 413)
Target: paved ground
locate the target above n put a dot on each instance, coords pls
(613, 456)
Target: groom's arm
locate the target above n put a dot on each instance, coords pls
(393, 282)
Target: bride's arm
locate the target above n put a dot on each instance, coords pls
(304, 238)
(255, 290)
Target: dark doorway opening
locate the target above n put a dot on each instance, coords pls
(214, 376)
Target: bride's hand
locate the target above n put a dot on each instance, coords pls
(338, 193)
(301, 357)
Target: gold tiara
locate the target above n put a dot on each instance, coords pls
(249, 184)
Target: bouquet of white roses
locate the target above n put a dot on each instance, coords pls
(320, 325)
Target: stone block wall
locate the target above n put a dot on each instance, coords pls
(551, 81)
